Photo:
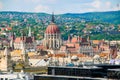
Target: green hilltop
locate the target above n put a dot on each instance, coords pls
(99, 25)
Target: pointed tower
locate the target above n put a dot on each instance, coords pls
(69, 38)
(12, 40)
(88, 38)
(29, 33)
(53, 20)
(6, 64)
(113, 51)
(52, 36)
(24, 55)
(23, 36)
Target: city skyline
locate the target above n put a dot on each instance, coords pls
(59, 7)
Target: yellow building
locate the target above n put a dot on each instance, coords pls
(5, 61)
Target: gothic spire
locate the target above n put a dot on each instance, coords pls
(52, 20)
(6, 51)
(23, 48)
(29, 34)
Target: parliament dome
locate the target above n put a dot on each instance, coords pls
(52, 29)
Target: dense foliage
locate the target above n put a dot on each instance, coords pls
(97, 25)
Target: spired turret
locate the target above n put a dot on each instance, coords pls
(23, 48)
(29, 33)
(6, 52)
(24, 55)
(6, 64)
(12, 41)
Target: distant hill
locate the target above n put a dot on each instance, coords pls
(109, 17)
(69, 23)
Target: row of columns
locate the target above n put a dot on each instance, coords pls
(52, 41)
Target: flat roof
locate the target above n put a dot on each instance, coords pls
(10, 76)
(85, 67)
(114, 69)
(74, 77)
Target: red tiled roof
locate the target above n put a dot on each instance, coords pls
(96, 41)
(40, 47)
(26, 39)
(77, 46)
(2, 29)
(36, 57)
(70, 45)
(52, 29)
(104, 54)
(74, 40)
(18, 40)
(63, 48)
(9, 28)
(57, 55)
(78, 55)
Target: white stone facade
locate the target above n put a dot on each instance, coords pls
(52, 41)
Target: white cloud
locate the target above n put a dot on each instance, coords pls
(34, 1)
(41, 8)
(41, 1)
(108, 5)
(99, 5)
(90, 10)
(96, 4)
(51, 1)
(1, 5)
(116, 7)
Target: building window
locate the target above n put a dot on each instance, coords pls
(1, 79)
(6, 78)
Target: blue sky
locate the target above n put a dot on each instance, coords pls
(59, 6)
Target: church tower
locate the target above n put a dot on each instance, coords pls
(29, 33)
(52, 36)
(6, 64)
(12, 40)
(113, 51)
(24, 55)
